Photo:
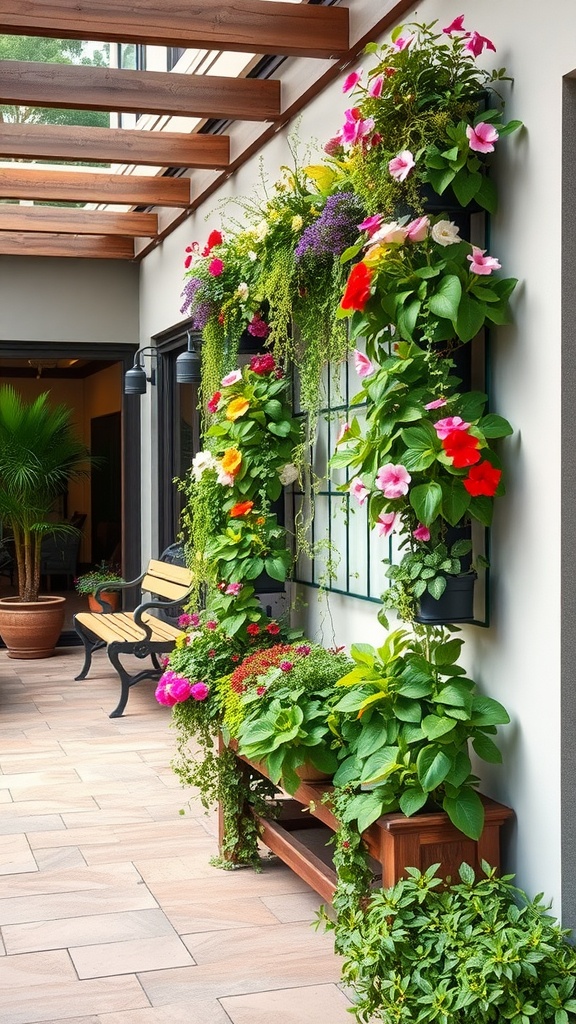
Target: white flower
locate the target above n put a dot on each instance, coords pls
(201, 462)
(391, 232)
(261, 230)
(445, 232)
(226, 479)
(252, 256)
(288, 474)
(242, 291)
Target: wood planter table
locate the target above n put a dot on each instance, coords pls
(394, 842)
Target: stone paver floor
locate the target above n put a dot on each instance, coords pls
(110, 912)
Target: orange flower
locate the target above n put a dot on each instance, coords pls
(260, 521)
(236, 408)
(231, 461)
(241, 509)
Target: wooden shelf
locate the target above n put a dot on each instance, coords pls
(394, 842)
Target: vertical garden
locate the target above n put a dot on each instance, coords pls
(378, 252)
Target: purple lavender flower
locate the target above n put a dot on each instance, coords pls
(333, 231)
(199, 307)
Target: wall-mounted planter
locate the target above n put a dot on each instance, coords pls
(455, 605)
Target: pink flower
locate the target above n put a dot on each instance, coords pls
(421, 532)
(304, 650)
(391, 232)
(189, 620)
(286, 666)
(476, 43)
(333, 145)
(260, 691)
(436, 404)
(375, 87)
(401, 165)
(212, 403)
(211, 624)
(481, 139)
(351, 81)
(417, 230)
(199, 691)
(446, 426)
(187, 261)
(371, 224)
(403, 43)
(363, 365)
(226, 479)
(343, 430)
(231, 378)
(455, 26)
(234, 589)
(258, 327)
(356, 128)
(481, 264)
(215, 267)
(392, 480)
(172, 689)
(386, 523)
(358, 490)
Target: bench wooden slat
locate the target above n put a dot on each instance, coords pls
(161, 628)
(164, 588)
(119, 626)
(165, 571)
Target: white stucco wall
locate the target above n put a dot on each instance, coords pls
(517, 659)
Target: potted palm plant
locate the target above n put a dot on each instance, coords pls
(39, 454)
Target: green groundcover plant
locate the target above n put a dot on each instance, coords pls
(476, 952)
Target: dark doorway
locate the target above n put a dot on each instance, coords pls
(106, 490)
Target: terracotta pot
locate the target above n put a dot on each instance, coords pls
(111, 597)
(31, 629)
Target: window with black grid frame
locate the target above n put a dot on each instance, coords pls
(345, 556)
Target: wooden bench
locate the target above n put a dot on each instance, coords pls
(140, 633)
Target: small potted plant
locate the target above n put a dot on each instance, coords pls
(105, 580)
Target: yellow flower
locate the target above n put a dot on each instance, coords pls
(231, 461)
(297, 222)
(375, 255)
(236, 408)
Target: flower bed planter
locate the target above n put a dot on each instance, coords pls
(394, 841)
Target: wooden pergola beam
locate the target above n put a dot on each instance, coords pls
(113, 145)
(76, 222)
(14, 243)
(81, 87)
(254, 26)
(89, 187)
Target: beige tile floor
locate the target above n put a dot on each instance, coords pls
(110, 912)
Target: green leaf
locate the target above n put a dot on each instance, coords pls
(350, 253)
(470, 318)
(371, 810)
(436, 587)
(486, 748)
(379, 765)
(487, 711)
(434, 726)
(495, 426)
(466, 186)
(455, 500)
(349, 771)
(440, 180)
(234, 622)
(471, 405)
(446, 300)
(372, 737)
(252, 568)
(448, 653)
(421, 438)
(466, 874)
(363, 654)
(407, 710)
(412, 800)
(455, 695)
(417, 462)
(466, 812)
(433, 765)
(426, 500)
(460, 770)
(281, 429)
(276, 568)
(482, 509)
(487, 196)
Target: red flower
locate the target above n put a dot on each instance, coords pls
(273, 628)
(260, 690)
(253, 629)
(462, 448)
(241, 509)
(214, 238)
(212, 404)
(263, 364)
(187, 261)
(483, 479)
(357, 291)
(212, 654)
(235, 657)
